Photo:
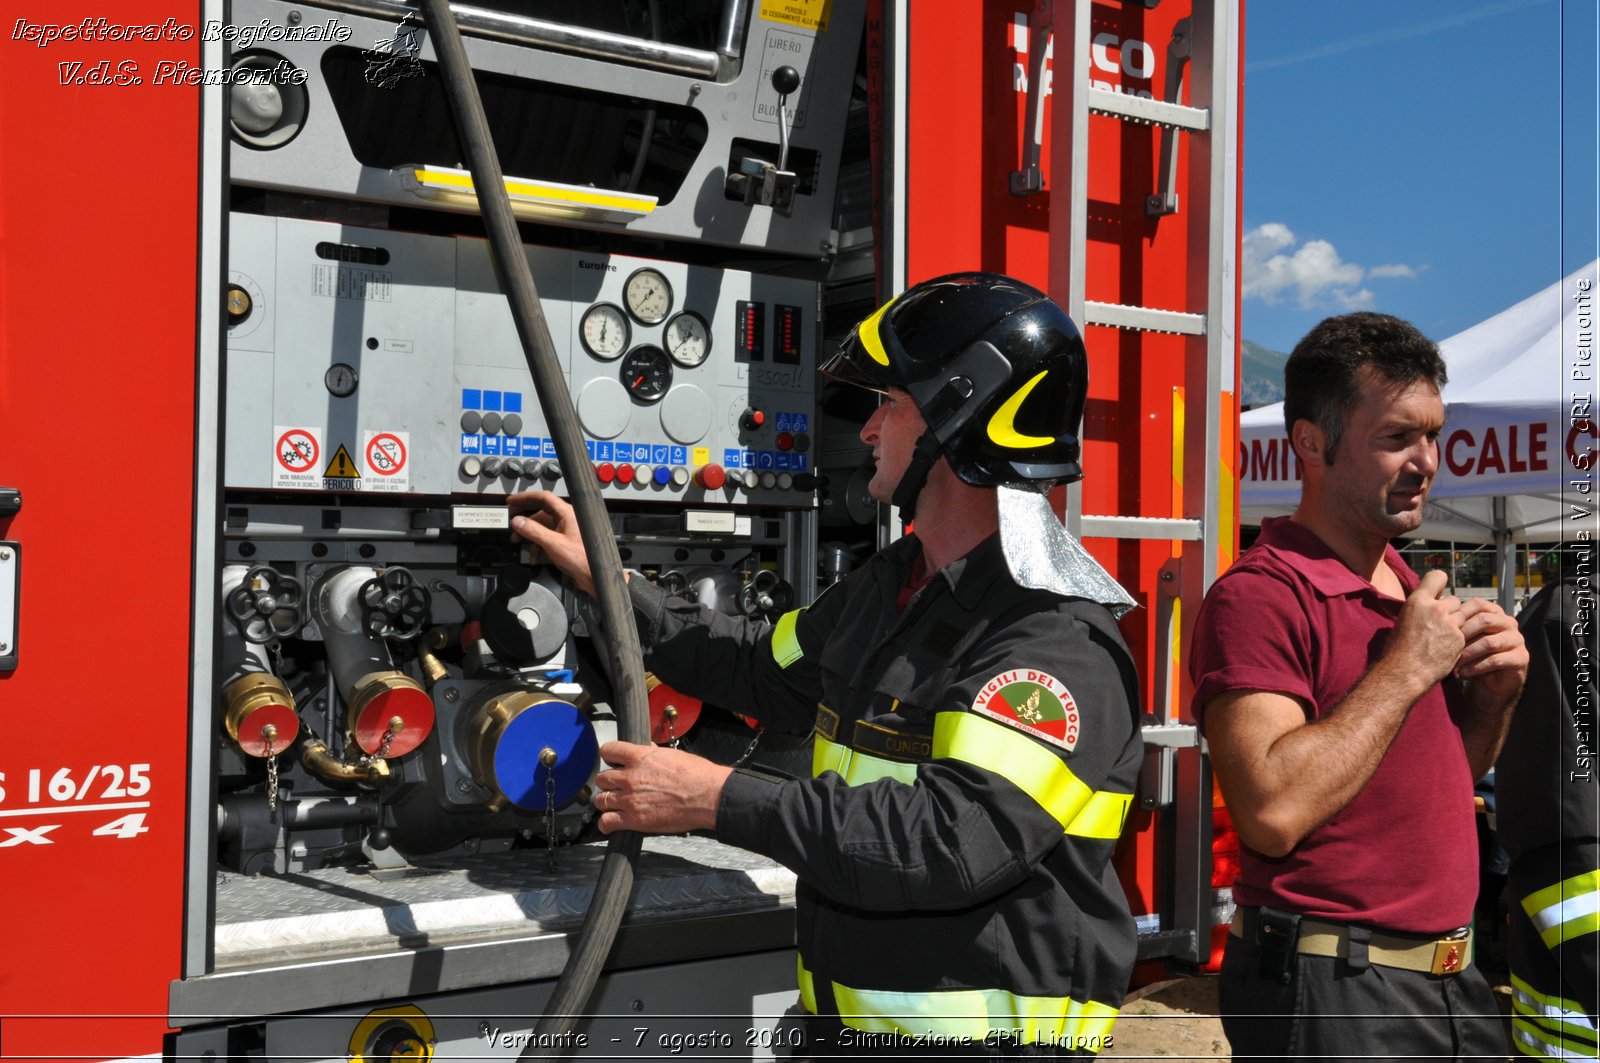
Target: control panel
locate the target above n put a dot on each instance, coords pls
(372, 361)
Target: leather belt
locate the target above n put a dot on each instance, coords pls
(1444, 956)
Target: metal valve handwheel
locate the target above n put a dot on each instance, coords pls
(766, 596)
(266, 605)
(394, 605)
(673, 581)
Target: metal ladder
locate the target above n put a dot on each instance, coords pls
(1177, 771)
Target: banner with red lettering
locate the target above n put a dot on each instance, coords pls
(1481, 452)
(1519, 426)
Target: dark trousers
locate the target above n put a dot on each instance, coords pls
(1333, 1008)
(1570, 971)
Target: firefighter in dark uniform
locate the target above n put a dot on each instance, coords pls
(1548, 820)
(974, 707)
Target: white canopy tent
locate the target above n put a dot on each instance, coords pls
(1519, 436)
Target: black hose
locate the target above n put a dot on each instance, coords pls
(627, 672)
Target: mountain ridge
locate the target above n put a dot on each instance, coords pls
(1261, 375)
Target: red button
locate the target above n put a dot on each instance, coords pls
(712, 477)
(624, 474)
(606, 471)
(785, 441)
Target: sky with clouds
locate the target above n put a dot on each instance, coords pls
(1433, 159)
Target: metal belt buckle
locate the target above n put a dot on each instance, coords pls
(1449, 955)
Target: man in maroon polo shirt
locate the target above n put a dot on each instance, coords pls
(1349, 706)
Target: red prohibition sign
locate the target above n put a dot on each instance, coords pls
(386, 455)
(297, 450)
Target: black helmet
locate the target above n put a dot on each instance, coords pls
(996, 368)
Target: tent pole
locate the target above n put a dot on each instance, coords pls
(1505, 555)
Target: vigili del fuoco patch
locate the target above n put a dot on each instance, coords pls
(1035, 702)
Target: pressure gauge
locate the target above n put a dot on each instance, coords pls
(605, 331)
(688, 339)
(340, 380)
(245, 305)
(646, 373)
(649, 296)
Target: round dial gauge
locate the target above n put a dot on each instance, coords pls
(605, 331)
(646, 373)
(245, 304)
(340, 380)
(688, 339)
(649, 296)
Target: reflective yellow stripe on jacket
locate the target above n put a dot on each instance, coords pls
(1549, 1027)
(808, 986)
(975, 1014)
(1565, 910)
(995, 747)
(1038, 772)
(785, 642)
(1534, 1040)
(857, 767)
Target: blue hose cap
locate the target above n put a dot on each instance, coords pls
(556, 725)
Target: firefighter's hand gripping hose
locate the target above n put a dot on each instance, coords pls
(625, 657)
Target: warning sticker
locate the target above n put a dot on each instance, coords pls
(812, 14)
(341, 473)
(384, 457)
(295, 452)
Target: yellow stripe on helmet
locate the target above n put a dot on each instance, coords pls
(867, 332)
(1003, 425)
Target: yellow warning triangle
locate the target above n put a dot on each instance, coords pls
(341, 467)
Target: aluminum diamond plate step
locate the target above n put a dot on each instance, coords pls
(344, 911)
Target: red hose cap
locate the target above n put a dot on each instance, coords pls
(671, 714)
(277, 715)
(410, 705)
